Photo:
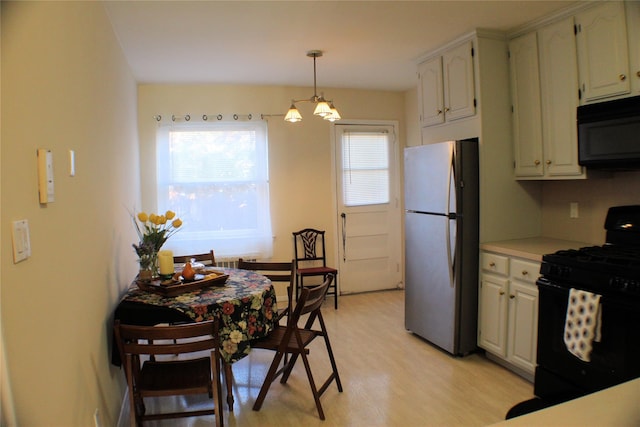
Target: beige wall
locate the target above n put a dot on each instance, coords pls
(594, 197)
(65, 86)
(300, 154)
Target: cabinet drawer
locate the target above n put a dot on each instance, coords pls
(525, 270)
(495, 263)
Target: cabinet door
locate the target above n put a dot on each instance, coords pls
(559, 87)
(602, 51)
(525, 92)
(459, 92)
(492, 324)
(523, 325)
(431, 92)
(633, 22)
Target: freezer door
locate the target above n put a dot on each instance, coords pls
(431, 303)
(429, 180)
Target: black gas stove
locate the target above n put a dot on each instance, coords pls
(611, 268)
(611, 271)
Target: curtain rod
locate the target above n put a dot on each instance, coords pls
(219, 117)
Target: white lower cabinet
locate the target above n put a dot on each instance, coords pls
(508, 309)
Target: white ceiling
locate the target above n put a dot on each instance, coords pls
(367, 44)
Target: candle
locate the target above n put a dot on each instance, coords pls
(165, 259)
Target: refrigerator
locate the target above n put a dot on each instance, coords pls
(441, 243)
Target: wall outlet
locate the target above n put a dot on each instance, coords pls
(573, 210)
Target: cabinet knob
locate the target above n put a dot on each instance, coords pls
(525, 272)
(492, 264)
(537, 162)
(638, 73)
(439, 112)
(512, 296)
(548, 162)
(502, 292)
(622, 77)
(447, 109)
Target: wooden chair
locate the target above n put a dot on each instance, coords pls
(294, 340)
(208, 259)
(311, 259)
(172, 375)
(276, 272)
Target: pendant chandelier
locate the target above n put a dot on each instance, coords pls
(324, 108)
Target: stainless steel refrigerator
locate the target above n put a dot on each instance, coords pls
(441, 244)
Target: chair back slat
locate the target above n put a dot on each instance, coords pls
(309, 245)
(208, 259)
(161, 340)
(311, 299)
(274, 271)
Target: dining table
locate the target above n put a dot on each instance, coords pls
(245, 304)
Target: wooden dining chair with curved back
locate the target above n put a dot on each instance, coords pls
(311, 260)
(280, 272)
(208, 259)
(169, 361)
(294, 340)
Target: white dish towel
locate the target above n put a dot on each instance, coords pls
(582, 325)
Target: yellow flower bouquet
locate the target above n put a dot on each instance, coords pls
(153, 231)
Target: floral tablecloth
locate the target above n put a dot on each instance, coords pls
(246, 305)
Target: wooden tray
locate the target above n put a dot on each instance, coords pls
(176, 287)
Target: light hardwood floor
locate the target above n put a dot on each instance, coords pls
(390, 378)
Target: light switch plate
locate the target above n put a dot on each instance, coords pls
(21, 241)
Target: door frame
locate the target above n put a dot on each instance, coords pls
(396, 188)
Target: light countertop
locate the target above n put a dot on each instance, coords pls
(616, 406)
(531, 248)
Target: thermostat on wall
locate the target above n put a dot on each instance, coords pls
(45, 175)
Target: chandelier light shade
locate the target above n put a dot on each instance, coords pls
(293, 115)
(324, 108)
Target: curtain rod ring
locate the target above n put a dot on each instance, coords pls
(187, 117)
(205, 117)
(219, 116)
(249, 116)
(235, 117)
(158, 117)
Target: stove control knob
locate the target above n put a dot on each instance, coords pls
(615, 283)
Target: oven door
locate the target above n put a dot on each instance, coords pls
(615, 359)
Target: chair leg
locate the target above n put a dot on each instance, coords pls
(312, 384)
(334, 367)
(271, 375)
(217, 390)
(228, 380)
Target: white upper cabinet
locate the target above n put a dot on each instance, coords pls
(446, 86)
(544, 90)
(560, 98)
(431, 92)
(633, 28)
(601, 35)
(459, 92)
(525, 93)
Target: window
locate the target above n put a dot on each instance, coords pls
(215, 177)
(365, 168)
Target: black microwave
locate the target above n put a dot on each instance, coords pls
(609, 134)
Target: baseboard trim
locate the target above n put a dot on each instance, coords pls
(125, 411)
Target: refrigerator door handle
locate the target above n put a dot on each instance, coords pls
(450, 260)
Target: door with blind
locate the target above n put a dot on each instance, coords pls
(368, 207)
